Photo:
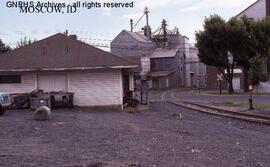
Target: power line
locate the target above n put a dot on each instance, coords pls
(127, 45)
(46, 31)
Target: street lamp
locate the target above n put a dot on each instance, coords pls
(230, 73)
(230, 58)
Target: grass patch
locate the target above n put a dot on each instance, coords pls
(236, 93)
(233, 104)
(257, 106)
(261, 106)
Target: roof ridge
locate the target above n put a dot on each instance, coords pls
(59, 55)
(35, 42)
(141, 36)
(247, 8)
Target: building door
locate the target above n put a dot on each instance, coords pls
(167, 83)
(155, 83)
(52, 82)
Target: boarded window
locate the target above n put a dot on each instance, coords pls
(10, 79)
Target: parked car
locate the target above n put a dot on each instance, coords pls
(5, 102)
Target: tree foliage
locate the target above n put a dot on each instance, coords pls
(244, 38)
(240, 41)
(244, 46)
(210, 42)
(213, 46)
(262, 37)
(256, 70)
(3, 48)
(23, 42)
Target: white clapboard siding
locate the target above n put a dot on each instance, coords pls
(96, 88)
(52, 82)
(27, 85)
(145, 62)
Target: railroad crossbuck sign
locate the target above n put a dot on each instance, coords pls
(219, 77)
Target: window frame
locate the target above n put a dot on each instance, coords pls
(10, 80)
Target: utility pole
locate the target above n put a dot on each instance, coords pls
(220, 79)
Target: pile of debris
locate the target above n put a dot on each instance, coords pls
(134, 103)
(39, 98)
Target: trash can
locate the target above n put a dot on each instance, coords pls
(62, 100)
(37, 102)
(20, 102)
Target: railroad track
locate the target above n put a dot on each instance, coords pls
(222, 112)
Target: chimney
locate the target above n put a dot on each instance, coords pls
(44, 50)
(67, 48)
(73, 37)
(66, 33)
(131, 25)
(267, 5)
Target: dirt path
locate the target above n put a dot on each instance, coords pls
(153, 138)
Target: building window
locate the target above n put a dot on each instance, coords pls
(168, 66)
(10, 79)
(153, 65)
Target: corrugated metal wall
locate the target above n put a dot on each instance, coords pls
(256, 11)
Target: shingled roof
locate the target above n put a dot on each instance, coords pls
(60, 52)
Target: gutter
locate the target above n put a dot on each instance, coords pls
(64, 69)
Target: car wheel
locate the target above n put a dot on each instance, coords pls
(2, 110)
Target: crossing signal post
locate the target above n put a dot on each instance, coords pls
(220, 79)
(199, 83)
(250, 98)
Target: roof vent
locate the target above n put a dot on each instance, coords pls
(73, 37)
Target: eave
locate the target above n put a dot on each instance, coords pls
(67, 69)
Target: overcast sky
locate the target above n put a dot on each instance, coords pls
(102, 25)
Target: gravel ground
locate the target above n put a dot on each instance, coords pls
(74, 138)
